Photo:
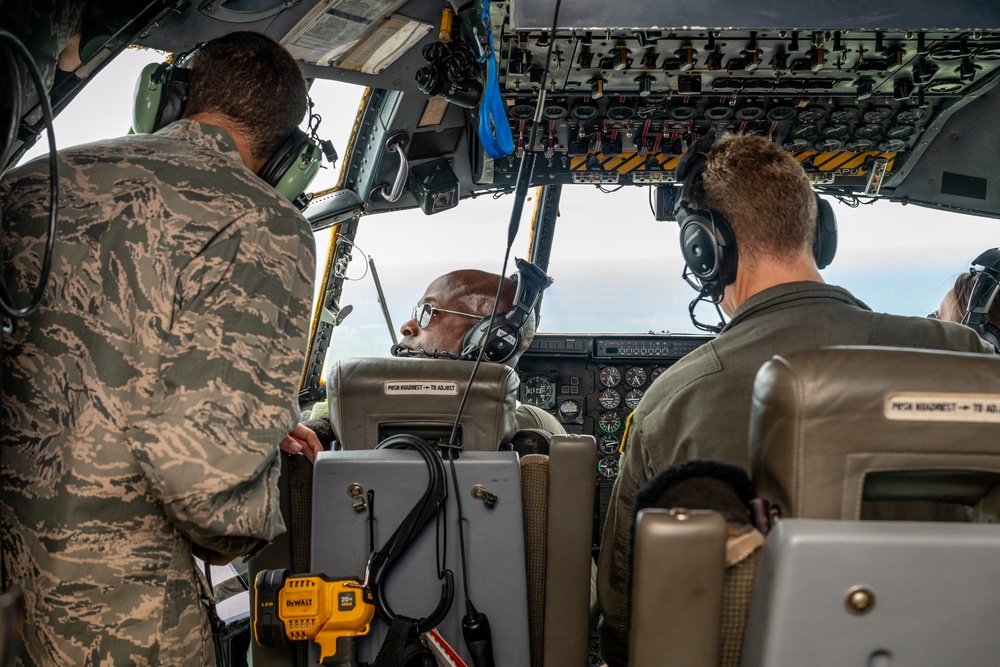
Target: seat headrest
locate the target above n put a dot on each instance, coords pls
(833, 426)
(372, 398)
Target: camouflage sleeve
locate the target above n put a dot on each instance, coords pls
(229, 373)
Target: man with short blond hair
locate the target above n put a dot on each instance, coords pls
(778, 303)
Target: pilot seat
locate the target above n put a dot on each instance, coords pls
(881, 469)
(353, 498)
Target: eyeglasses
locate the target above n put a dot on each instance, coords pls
(933, 316)
(423, 313)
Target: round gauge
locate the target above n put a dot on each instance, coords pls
(611, 376)
(584, 111)
(870, 131)
(845, 115)
(991, 52)
(812, 115)
(749, 112)
(892, 146)
(657, 372)
(620, 112)
(796, 145)
(632, 398)
(911, 116)
(539, 391)
(859, 145)
(609, 399)
(878, 115)
(943, 87)
(836, 131)
(718, 112)
(555, 112)
(900, 132)
(609, 422)
(636, 376)
(522, 111)
(780, 112)
(948, 51)
(608, 444)
(804, 132)
(608, 467)
(828, 145)
(683, 112)
(569, 409)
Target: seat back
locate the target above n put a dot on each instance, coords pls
(558, 496)
(371, 398)
(494, 541)
(832, 593)
(833, 427)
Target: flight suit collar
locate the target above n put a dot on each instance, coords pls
(202, 135)
(779, 295)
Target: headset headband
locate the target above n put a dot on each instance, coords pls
(984, 294)
(501, 337)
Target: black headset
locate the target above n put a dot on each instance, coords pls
(161, 94)
(984, 293)
(501, 336)
(708, 244)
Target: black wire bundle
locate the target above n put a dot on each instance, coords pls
(11, 45)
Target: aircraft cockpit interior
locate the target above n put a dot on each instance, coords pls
(437, 532)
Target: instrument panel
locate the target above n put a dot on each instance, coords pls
(591, 383)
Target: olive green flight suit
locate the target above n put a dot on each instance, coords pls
(700, 407)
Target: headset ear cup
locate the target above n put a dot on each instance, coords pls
(708, 247)
(474, 336)
(147, 98)
(499, 344)
(825, 242)
(293, 166)
(160, 96)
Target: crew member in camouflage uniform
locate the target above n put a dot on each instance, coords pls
(145, 399)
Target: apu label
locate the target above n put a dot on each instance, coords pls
(908, 406)
(419, 387)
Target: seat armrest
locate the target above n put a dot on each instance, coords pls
(568, 560)
(677, 577)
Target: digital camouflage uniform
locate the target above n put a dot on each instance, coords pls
(700, 407)
(144, 402)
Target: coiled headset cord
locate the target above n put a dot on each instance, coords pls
(9, 44)
(475, 625)
(424, 510)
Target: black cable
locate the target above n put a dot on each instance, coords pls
(426, 507)
(6, 298)
(461, 528)
(475, 625)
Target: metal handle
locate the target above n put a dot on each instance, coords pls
(395, 143)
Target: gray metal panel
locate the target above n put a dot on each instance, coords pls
(494, 541)
(791, 14)
(966, 144)
(936, 587)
